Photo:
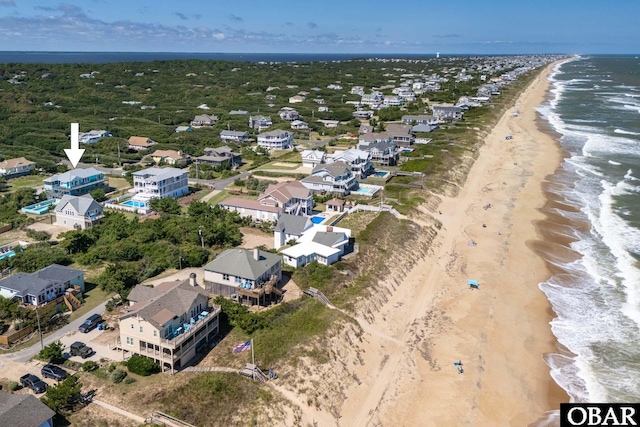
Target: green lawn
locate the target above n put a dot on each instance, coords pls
(25, 182)
(218, 197)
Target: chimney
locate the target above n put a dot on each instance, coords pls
(329, 229)
(192, 279)
(256, 254)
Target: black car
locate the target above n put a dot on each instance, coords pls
(34, 383)
(91, 323)
(53, 371)
(80, 349)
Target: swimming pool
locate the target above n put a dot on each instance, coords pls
(7, 254)
(134, 204)
(367, 190)
(317, 219)
(39, 208)
(381, 174)
(407, 150)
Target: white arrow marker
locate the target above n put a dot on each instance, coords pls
(75, 153)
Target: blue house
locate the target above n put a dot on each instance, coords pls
(75, 182)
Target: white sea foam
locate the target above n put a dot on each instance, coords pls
(611, 162)
(626, 132)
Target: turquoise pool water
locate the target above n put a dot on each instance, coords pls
(317, 219)
(39, 208)
(381, 174)
(363, 191)
(134, 204)
(7, 254)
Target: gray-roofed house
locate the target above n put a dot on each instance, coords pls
(382, 153)
(203, 120)
(290, 227)
(447, 113)
(260, 122)
(312, 158)
(233, 136)
(276, 140)
(75, 182)
(334, 178)
(169, 323)
(42, 286)
(425, 120)
(220, 156)
(236, 269)
(78, 212)
(24, 410)
(358, 160)
(321, 243)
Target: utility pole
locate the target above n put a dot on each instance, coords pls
(119, 162)
(39, 330)
(201, 237)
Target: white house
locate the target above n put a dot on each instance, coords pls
(260, 122)
(334, 178)
(233, 136)
(152, 183)
(290, 227)
(10, 168)
(392, 101)
(296, 99)
(299, 125)
(312, 158)
(275, 140)
(358, 160)
(321, 243)
(92, 136)
(43, 285)
(78, 212)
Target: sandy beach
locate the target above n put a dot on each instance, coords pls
(500, 331)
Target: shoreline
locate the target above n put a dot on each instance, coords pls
(501, 331)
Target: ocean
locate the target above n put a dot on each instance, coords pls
(594, 218)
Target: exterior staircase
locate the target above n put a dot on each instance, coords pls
(72, 302)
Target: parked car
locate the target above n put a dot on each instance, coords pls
(53, 371)
(34, 383)
(91, 323)
(80, 349)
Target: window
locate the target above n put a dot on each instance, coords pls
(155, 333)
(129, 341)
(132, 326)
(225, 277)
(140, 329)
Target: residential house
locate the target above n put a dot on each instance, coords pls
(234, 136)
(382, 153)
(392, 101)
(75, 182)
(220, 156)
(373, 99)
(204, 120)
(78, 212)
(170, 157)
(252, 209)
(42, 286)
(290, 227)
(11, 168)
(320, 101)
(92, 136)
(239, 269)
(420, 120)
(152, 183)
(296, 99)
(276, 140)
(259, 122)
(358, 160)
(24, 410)
(364, 128)
(293, 197)
(312, 158)
(363, 114)
(400, 135)
(323, 109)
(330, 123)
(320, 243)
(289, 114)
(238, 113)
(357, 90)
(169, 323)
(299, 125)
(334, 87)
(447, 113)
(140, 143)
(331, 178)
(183, 129)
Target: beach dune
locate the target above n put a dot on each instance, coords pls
(499, 331)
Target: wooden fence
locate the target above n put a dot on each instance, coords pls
(14, 336)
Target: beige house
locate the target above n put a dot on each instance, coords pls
(140, 143)
(78, 212)
(168, 323)
(10, 168)
(169, 157)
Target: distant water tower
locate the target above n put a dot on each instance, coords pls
(437, 54)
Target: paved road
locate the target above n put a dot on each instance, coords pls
(219, 184)
(29, 352)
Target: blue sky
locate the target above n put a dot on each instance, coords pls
(325, 26)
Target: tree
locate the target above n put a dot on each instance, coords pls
(64, 395)
(98, 195)
(142, 365)
(167, 205)
(52, 353)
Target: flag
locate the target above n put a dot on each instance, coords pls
(243, 346)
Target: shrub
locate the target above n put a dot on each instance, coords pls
(52, 353)
(13, 386)
(129, 380)
(111, 367)
(118, 375)
(142, 365)
(89, 366)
